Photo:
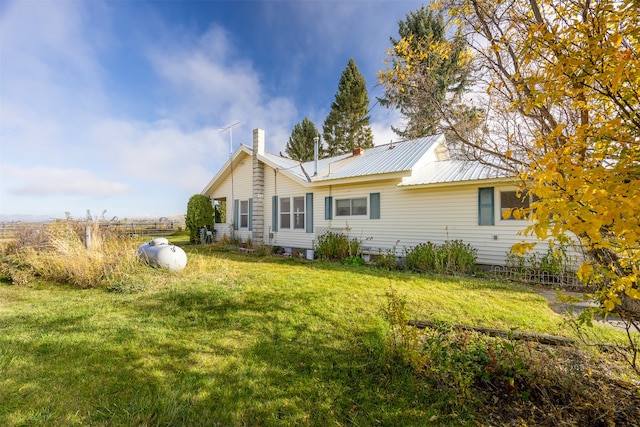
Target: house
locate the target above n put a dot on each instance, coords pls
(392, 196)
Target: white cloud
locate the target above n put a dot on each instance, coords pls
(213, 85)
(77, 119)
(47, 181)
(159, 153)
(48, 60)
(207, 81)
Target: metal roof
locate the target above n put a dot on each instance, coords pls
(416, 159)
(381, 159)
(447, 171)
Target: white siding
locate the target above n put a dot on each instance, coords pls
(276, 183)
(408, 215)
(236, 186)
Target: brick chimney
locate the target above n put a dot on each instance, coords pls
(257, 234)
(258, 141)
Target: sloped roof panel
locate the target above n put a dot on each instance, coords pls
(447, 171)
(381, 159)
(408, 156)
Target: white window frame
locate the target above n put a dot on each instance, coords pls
(296, 214)
(351, 207)
(244, 214)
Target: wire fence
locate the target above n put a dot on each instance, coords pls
(566, 279)
(161, 227)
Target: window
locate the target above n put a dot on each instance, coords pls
(485, 206)
(244, 214)
(351, 207)
(285, 212)
(510, 200)
(292, 213)
(374, 205)
(328, 207)
(298, 213)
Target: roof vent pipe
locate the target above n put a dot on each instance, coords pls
(316, 141)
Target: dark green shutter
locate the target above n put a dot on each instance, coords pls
(274, 213)
(250, 225)
(328, 207)
(236, 214)
(485, 206)
(374, 202)
(309, 212)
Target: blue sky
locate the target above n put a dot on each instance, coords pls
(117, 105)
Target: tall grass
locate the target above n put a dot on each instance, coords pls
(78, 253)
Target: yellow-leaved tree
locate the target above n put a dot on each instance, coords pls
(559, 88)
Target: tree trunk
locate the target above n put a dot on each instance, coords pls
(513, 335)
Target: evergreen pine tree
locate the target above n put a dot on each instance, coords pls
(347, 125)
(438, 79)
(301, 142)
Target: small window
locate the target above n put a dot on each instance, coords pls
(343, 207)
(509, 200)
(374, 205)
(485, 206)
(292, 213)
(298, 213)
(244, 213)
(285, 212)
(351, 207)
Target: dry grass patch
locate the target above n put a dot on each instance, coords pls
(78, 253)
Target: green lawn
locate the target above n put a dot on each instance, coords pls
(237, 340)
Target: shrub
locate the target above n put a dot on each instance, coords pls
(337, 247)
(423, 257)
(353, 260)
(460, 257)
(387, 261)
(227, 240)
(452, 256)
(555, 261)
(199, 215)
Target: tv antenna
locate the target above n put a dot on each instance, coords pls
(229, 127)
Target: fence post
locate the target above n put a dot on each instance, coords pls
(87, 237)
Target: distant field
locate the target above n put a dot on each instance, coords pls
(142, 227)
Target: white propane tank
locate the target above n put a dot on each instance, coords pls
(159, 253)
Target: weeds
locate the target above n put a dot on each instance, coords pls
(507, 381)
(388, 260)
(73, 252)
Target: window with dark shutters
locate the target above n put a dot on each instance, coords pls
(485, 206)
